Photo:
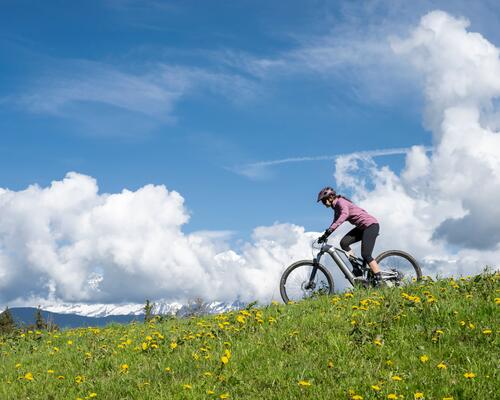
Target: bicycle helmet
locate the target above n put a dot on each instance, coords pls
(325, 192)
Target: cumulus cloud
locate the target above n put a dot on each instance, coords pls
(443, 205)
(67, 242)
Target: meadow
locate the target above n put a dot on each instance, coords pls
(430, 340)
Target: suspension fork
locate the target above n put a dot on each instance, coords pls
(314, 270)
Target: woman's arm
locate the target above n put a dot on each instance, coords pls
(343, 215)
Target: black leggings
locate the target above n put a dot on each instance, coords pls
(367, 237)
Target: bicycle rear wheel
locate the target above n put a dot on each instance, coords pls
(403, 263)
(295, 282)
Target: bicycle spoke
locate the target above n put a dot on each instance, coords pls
(405, 268)
(296, 283)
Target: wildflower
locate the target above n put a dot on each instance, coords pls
(348, 295)
(18, 365)
(207, 374)
(330, 364)
(93, 394)
(50, 371)
(448, 398)
(28, 376)
(377, 342)
(240, 319)
(145, 346)
(424, 358)
(124, 368)
(389, 362)
(224, 396)
(376, 388)
(79, 379)
(60, 377)
(304, 383)
(396, 378)
(497, 300)
(469, 375)
(210, 392)
(168, 369)
(487, 331)
(173, 345)
(187, 386)
(356, 397)
(418, 395)
(224, 360)
(442, 365)
(392, 396)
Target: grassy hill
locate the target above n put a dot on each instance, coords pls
(432, 340)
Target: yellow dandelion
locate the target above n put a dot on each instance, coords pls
(304, 383)
(389, 362)
(168, 369)
(210, 392)
(224, 396)
(396, 378)
(93, 394)
(442, 365)
(418, 395)
(448, 398)
(487, 331)
(50, 371)
(60, 377)
(377, 342)
(124, 368)
(173, 345)
(469, 375)
(497, 300)
(187, 386)
(207, 374)
(376, 388)
(18, 365)
(330, 364)
(28, 376)
(79, 379)
(392, 396)
(424, 358)
(356, 397)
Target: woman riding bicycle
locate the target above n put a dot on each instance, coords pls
(366, 228)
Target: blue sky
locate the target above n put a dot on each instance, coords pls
(185, 94)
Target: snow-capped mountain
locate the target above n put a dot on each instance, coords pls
(161, 307)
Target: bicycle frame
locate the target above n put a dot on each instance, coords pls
(333, 253)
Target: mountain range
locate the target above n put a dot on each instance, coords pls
(66, 315)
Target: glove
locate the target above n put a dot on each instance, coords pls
(324, 237)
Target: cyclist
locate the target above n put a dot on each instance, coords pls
(366, 229)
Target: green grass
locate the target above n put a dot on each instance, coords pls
(365, 345)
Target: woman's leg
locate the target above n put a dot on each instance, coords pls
(353, 236)
(367, 244)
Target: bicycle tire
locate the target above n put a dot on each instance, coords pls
(287, 276)
(411, 265)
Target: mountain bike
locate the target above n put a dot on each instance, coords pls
(308, 278)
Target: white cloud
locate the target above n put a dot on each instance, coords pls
(442, 206)
(260, 169)
(67, 242)
(102, 98)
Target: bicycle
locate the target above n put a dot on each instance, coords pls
(307, 278)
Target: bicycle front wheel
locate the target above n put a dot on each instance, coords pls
(403, 263)
(296, 285)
